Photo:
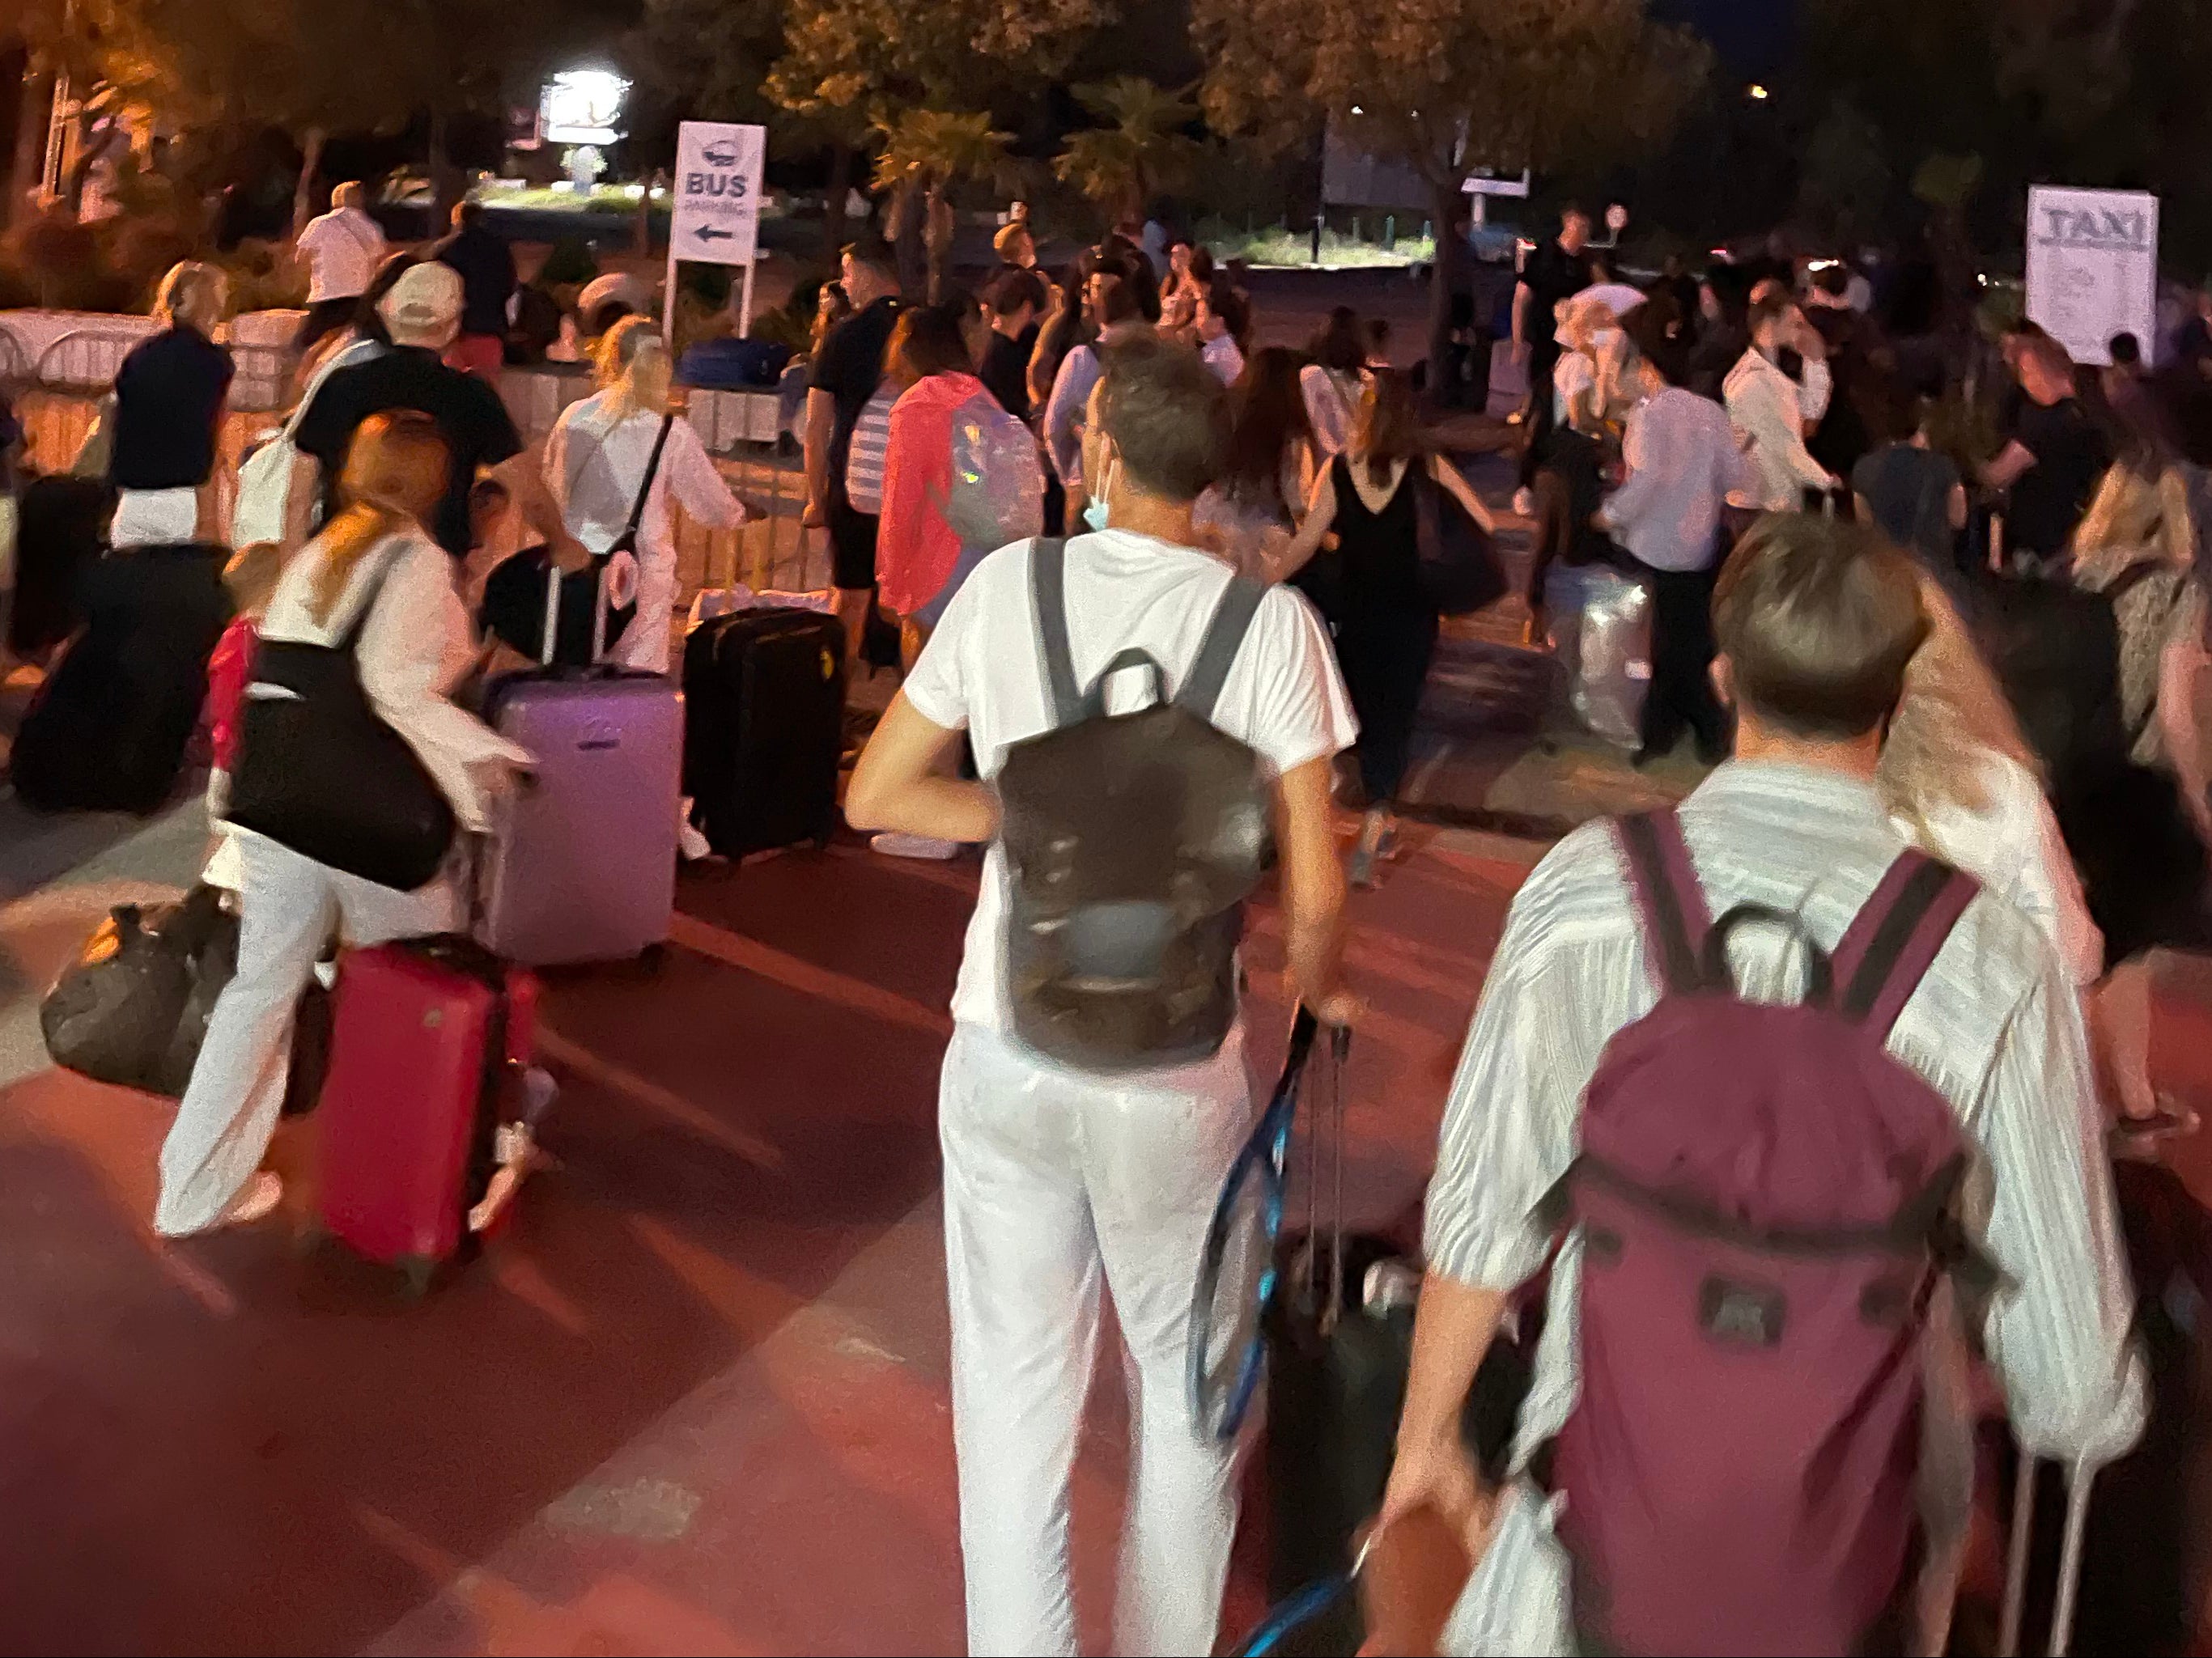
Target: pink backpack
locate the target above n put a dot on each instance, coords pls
(1765, 1200)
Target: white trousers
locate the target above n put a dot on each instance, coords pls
(289, 906)
(1052, 1177)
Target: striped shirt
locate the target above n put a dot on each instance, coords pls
(864, 459)
(1995, 1027)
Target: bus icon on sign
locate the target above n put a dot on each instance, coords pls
(720, 153)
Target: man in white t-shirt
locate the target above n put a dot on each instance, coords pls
(342, 250)
(1052, 1176)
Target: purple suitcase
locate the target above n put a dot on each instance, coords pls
(582, 861)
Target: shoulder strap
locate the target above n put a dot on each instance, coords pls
(360, 624)
(1217, 653)
(1667, 897)
(1049, 593)
(651, 471)
(1895, 939)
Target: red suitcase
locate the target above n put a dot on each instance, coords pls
(429, 1035)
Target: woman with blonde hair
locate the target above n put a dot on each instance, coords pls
(1960, 779)
(170, 395)
(375, 576)
(625, 453)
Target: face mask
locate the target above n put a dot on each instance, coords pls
(1095, 514)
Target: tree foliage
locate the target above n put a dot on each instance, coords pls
(1443, 85)
(926, 152)
(1141, 148)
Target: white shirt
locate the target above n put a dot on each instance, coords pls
(594, 468)
(1683, 462)
(1223, 358)
(982, 672)
(1574, 376)
(343, 249)
(1330, 399)
(1772, 411)
(2013, 846)
(417, 647)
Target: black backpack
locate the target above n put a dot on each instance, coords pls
(1132, 842)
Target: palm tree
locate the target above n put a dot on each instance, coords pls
(1141, 150)
(926, 152)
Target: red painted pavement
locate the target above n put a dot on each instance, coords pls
(694, 1401)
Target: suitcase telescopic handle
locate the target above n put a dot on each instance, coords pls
(551, 636)
(2080, 1480)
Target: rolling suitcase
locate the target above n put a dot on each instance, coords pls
(764, 696)
(581, 865)
(61, 523)
(430, 1039)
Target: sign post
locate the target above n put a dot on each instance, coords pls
(2093, 268)
(715, 219)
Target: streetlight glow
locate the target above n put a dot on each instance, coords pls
(1756, 93)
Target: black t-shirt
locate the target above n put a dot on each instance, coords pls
(2051, 496)
(1908, 490)
(168, 402)
(476, 424)
(1005, 370)
(486, 265)
(1552, 275)
(849, 366)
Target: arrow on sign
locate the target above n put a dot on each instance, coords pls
(707, 233)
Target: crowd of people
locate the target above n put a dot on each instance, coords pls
(1873, 627)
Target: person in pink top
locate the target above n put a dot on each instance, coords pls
(917, 551)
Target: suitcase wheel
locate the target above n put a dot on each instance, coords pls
(653, 958)
(418, 1272)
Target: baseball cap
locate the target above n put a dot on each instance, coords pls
(425, 296)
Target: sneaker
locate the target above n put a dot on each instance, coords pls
(1524, 503)
(893, 845)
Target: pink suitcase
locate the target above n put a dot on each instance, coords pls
(582, 862)
(429, 1046)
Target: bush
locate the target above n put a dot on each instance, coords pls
(569, 263)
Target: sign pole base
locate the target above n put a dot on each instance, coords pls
(668, 302)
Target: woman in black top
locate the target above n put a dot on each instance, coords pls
(1369, 588)
(170, 394)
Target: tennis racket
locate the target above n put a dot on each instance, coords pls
(1236, 1274)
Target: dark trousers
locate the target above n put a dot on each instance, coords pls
(1682, 648)
(1384, 654)
(1543, 360)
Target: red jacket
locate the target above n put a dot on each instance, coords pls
(916, 549)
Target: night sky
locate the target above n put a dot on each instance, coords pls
(1753, 35)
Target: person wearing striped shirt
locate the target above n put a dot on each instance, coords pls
(1816, 622)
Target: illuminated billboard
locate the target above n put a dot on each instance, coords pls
(582, 107)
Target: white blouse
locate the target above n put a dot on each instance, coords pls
(415, 650)
(595, 465)
(2013, 846)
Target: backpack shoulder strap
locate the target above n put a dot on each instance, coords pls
(1896, 937)
(1217, 653)
(1667, 897)
(1049, 593)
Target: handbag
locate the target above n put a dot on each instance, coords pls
(320, 772)
(1460, 570)
(513, 608)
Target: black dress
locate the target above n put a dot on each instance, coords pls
(1370, 589)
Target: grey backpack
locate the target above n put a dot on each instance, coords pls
(1132, 842)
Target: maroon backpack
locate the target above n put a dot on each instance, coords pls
(1765, 1201)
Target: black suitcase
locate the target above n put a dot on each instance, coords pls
(764, 727)
(110, 728)
(1338, 1361)
(60, 525)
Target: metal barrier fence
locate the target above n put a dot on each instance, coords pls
(57, 400)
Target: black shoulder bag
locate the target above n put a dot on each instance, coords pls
(320, 773)
(514, 607)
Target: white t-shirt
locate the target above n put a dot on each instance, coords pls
(342, 250)
(1575, 374)
(982, 672)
